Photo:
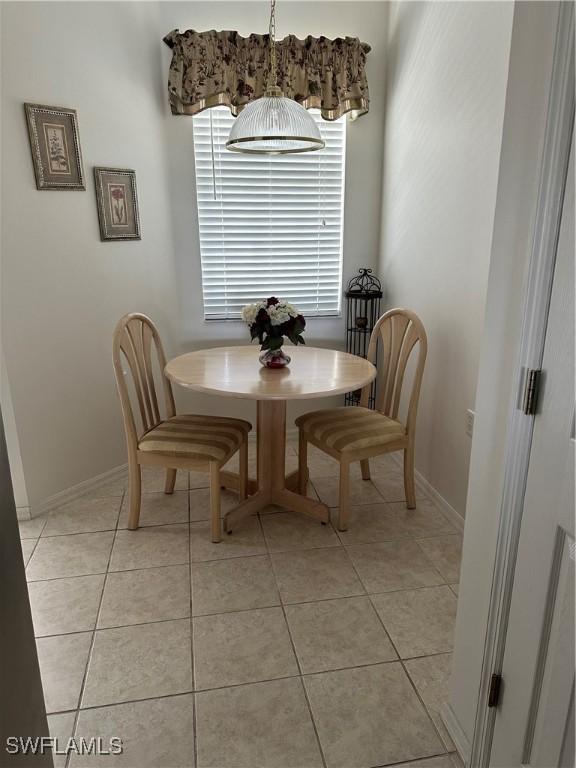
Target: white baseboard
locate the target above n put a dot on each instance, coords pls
(23, 513)
(453, 516)
(63, 497)
(456, 732)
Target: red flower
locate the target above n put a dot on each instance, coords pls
(117, 193)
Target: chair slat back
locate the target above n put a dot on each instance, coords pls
(398, 331)
(136, 342)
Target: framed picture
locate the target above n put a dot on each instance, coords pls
(55, 146)
(117, 204)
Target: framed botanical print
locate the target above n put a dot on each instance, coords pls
(55, 146)
(117, 204)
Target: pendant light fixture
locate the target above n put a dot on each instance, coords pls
(274, 124)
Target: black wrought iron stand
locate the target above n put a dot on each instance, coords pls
(363, 297)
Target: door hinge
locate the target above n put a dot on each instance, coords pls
(494, 692)
(531, 391)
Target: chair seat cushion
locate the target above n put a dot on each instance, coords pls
(200, 438)
(350, 429)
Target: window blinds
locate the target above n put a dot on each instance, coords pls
(269, 225)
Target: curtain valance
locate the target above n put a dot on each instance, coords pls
(213, 68)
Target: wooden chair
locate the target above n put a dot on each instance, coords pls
(188, 442)
(358, 433)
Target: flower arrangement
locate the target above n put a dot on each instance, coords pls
(270, 321)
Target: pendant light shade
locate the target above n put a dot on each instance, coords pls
(274, 124)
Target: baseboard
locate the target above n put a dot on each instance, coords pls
(23, 513)
(456, 732)
(63, 497)
(454, 517)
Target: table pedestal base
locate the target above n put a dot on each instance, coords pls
(272, 485)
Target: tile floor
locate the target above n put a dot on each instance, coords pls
(288, 645)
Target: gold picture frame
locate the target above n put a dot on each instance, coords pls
(55, 146)
(117, 203)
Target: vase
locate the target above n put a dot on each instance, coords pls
(274, 358)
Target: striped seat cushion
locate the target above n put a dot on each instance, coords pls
(201, 438)
(347, 430)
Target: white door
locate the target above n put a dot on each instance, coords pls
(535, 718)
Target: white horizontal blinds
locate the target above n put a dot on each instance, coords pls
(269, 225)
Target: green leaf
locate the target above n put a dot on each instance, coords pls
(275, 342)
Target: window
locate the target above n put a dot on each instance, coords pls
(269, 225)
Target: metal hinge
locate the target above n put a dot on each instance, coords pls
(494, 692)
(531, 391)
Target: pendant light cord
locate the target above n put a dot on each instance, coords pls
(273, 73)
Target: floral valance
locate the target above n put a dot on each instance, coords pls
(213, 68)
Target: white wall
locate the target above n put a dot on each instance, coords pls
(62, 289)
(525, 119)
(447, 68)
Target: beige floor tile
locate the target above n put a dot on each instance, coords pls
(200, 503)
(198, 479)
(431, 676)
(149, 547)
(315, 574)
(419, 621)
(139, 662)
(31, 529)
(361, 491)
(369, 716)
(153, 479)
(75, 555)
(242, 647)
(155, 733)
(83, 516)
(236, 584)
(442, 761)
(246, 539)
(62, 660)
(391, 565)
(286, 531)
(139, 597)
(233, 464)
(65, 605)
(158, 509)
(445, 553)
(61, 728)
(333, 634)
(274, 509)
(425, 520)
(455, 588)
(28, 546)
(115, 486)
(390, 483)
(386, 462)
(320, 464)
(261, 725)
(370, 523)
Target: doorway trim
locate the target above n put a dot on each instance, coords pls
(555, 158)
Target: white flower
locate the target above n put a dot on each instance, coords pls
(278, 313)
(250, 311)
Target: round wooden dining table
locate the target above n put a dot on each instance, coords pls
(236, 372)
